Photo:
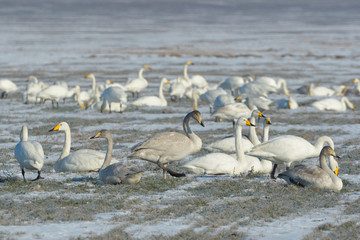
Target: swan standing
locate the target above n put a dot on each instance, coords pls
(7, 86)
(53, 93)
(177, 89)
(83, 160)
(320, 177)
(332, 104)
(153, 101)
(135, 86)
(115, 173)
(220, 163)
(113, 94)
(288, 149)
(29, 154)
(168, 147)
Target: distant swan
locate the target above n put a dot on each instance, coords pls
(320, 91)
(320, 177)
(136, 85)
(168, 147)
(7, 86)
(113, 95)
(332, 104)
(220, 163)
(116, 173)
(29, 154)
(153, 101)
(83, 160)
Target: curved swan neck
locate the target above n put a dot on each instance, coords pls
(240, 155)
(320, 143)
(161, 94)
(186, 126)
(345, 102)
(108, 156)
(252, 132)
(186, 76)
(282, 82)
(141, 73)
(93, 82)
(24, 134)
(67, 143)
(326, 168)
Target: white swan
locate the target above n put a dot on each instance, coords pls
(116, 173)
(289, 103)
(332, 104)
(32, 89)
(220, 163)
(53, 93)
(177, 89)
(210, 96)
(7, 86)
(222, 100)
(232, 112)
(197, 81)
(320, 91)
(320, 177)
(136, 85)
(168, 147)
(152, 101)
(270, 85)
(288, 149)
(232, 83)
(83, 160)
(113, 95)
(29, 154)
(92, 76)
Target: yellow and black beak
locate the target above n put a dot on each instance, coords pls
(56, 128)
(336, 171)
(96, 136)
(261, 115)
(87, 76)
(249, 123)
(268, 121)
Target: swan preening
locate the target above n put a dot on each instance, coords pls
(220, 163)
(320, 176)
(116, 173)
(83, 160)
(29, 154)
(168, 147)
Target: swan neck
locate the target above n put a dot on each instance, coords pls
(24, 134)
(186, 126)
(161, 94)
(93, 82)
(238, 144)
(325, 167)
(252, 133)
(186, 76)
(108, 155)
(320, 143)
(266, 133)
(67, 144)
(141, 73)
(282, 82)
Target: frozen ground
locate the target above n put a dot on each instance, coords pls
(301, 41)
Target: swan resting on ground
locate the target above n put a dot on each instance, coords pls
(168, 147)
(29, 154)
(320, 177)
(332, 104)
(220, 163)
(83, 160)
(116, 173)
(153, 101)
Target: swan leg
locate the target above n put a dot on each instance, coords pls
(171, 172)
(38, 177)
(164, 172)
(272, 174)
(23, 173)
(110, 107)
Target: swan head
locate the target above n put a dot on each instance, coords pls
(244, 122)
(189, 63)
(328, 151)
(104, 133)
(197, 116)
(31, 78)
(267, 121)
(257, 113)
(60, 127)
(90, 76)
(146, 66)
(356, 81)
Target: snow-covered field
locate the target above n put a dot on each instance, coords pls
(301, 41)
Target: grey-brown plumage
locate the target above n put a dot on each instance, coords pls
(168, 147)
(321, 177)
(116, 173)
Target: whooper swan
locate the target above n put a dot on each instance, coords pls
(153, 101)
